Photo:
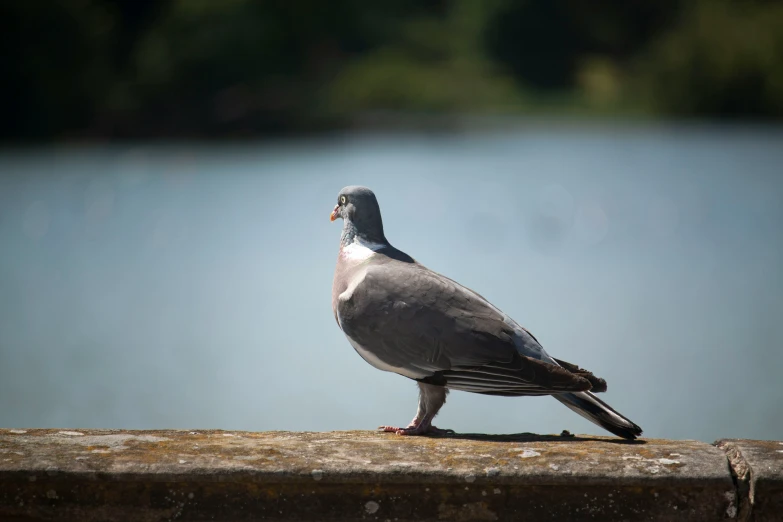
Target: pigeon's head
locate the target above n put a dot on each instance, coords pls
(359, 209)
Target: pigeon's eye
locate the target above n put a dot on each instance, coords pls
(343, 200)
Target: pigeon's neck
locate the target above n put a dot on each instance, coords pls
(351, 235)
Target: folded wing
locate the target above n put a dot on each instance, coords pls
(428, 327)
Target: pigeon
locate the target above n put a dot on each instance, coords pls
(402, 317)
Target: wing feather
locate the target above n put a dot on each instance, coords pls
(423, 323)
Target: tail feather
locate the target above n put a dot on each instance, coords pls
(597, 411)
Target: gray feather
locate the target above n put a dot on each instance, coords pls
(417, 320)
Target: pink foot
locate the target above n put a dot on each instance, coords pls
(421, 430)
(416, 427)
(393, 429)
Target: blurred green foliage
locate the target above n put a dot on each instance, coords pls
(209, 68)
(722, 58)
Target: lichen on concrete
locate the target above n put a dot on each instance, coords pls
(355, 475)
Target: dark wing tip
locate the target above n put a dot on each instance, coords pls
(598, 384)
(554, 377)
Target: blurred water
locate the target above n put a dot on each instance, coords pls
(189, 286)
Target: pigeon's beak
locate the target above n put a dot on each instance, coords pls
(335, 213)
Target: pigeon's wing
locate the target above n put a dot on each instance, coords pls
(405, 318)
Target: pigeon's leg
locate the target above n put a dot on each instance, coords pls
(431, 399)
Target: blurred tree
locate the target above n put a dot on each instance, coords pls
(436, 63)
(142, 68)
(250, 66)
(722, 59)
(56, 64)
(537, 41)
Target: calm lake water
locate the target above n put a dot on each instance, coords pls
(188, 286)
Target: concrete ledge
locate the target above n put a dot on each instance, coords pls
(90, 475)
(757, 467)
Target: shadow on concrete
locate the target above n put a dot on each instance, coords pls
(535, 437)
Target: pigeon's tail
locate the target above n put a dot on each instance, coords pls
(597, 411)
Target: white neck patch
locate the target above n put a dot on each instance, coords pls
(360, 250)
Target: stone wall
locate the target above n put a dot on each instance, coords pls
(91, 475)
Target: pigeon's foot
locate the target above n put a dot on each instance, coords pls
(430, 430)
(416, 427)
(415, 423)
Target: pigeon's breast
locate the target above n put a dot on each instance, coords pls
(357, 276)
(375, 361)
(349, 272)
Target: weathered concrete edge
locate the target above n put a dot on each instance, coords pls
(740, 474)
(757, 470)
(156, 466)
(207, 475)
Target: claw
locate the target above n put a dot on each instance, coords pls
(393, 429)
(412, 430)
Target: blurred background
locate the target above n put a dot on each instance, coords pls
(607, 173)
